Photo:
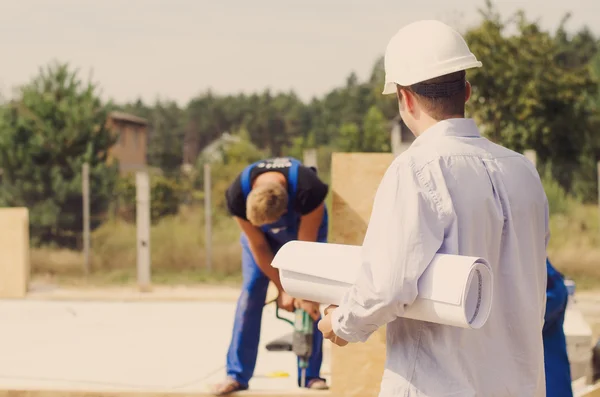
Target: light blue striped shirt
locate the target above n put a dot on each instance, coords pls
(453, 191)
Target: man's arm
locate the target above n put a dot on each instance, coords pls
(310, 224)
(261, 250)
(405, 232)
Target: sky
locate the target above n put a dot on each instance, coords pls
(177, 49)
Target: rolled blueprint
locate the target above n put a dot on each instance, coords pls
(454, 290)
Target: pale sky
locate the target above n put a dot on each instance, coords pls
(175, 49)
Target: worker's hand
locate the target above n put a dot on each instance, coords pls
(312, 308)
(327, 330)
(285, 301)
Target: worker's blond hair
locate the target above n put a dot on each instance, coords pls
(266, 203)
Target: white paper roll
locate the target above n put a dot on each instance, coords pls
(454, 290)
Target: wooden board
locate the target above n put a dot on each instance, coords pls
(14, 245)
(356, 369)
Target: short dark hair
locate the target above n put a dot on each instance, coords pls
(442, 97)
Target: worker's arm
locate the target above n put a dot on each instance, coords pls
(260, 250)
(405, 231)
(556, 296)
(310, 224)
(309, 231)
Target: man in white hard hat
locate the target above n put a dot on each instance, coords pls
(455, 192)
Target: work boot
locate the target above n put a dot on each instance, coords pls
(228, 386)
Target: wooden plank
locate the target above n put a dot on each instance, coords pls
(14, 245)
(356, 369)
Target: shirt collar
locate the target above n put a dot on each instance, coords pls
(464, 128)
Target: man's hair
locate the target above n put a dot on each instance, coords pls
(442, 97)
(266, 203)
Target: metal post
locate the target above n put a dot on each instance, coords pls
(85, 182)
(142, 186)
(310, 158)
(207, 217)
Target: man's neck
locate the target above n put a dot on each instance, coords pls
(430, 122)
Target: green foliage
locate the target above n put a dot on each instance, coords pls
(54, 126)
(165, 197)
(558, 199)
(376, 132)
(534, 91)
(350, 137)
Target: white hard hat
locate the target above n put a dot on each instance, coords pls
(423, 50)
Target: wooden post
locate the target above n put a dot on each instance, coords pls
(85, 182)
(142, 185)
(207, 217)
(310, 158)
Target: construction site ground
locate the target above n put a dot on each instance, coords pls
(169, 340)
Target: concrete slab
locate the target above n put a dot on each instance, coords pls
(158, 347)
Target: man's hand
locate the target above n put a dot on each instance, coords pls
(285, 301)
(327, 330)
(312, 308)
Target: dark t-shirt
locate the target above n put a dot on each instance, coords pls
(310, 190)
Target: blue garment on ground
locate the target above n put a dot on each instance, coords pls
(243, 350)
(556, 360)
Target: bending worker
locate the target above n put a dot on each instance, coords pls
(451, 192)
(556, 360)
(273, 201)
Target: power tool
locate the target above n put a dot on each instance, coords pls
(300, 341)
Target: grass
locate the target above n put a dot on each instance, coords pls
(574, 246)
(177, 249)
(178, 255)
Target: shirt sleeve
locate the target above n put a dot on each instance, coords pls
(405, 231)
(311, 191)
(236, 203)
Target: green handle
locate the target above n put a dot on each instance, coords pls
(282, 318)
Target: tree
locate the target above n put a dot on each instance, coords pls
(56, 124)
(350, 138)
(165, 148)
(525, 99)
(376, 133)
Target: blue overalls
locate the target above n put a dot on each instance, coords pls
(243, 350)
(556, 360)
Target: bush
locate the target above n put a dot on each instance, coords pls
(558, 199)
(165, 197)
(177, 244)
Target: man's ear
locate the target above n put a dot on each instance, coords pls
(467, 92)
(407, 100)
